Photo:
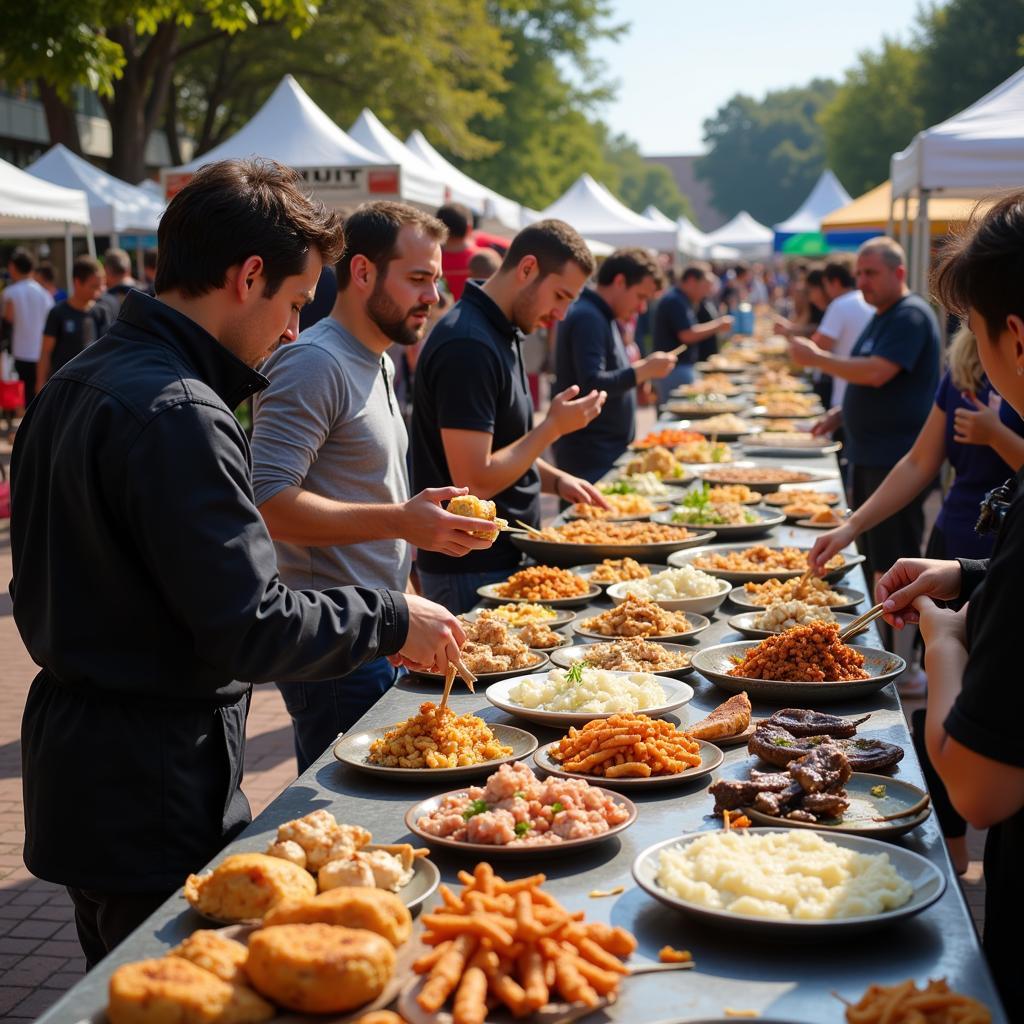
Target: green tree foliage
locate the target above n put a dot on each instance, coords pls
(874, 113)
(764, 156)
(640, 184)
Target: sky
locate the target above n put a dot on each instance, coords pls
(683, 59)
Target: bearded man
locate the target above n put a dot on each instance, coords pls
(329, 450)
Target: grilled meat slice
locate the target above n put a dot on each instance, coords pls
(825, 805)
(731, 794)
(802, 722)
(777, 804)
(779, 747)
(871, 755)
(776, 745)
(824, 770)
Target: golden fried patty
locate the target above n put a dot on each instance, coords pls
(376, 910)
(245, 886)
(215, 953)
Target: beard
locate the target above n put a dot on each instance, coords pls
(392, 321)
(525, 314)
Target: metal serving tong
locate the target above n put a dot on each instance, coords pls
(457, 667)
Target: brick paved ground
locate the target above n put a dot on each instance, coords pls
(39, 953)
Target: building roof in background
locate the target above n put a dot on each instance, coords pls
(681, 167)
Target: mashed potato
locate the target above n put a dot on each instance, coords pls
(794, 875)
(671, 584)
(782, 615)
(597, 692)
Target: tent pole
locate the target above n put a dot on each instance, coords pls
(68, 254)
(90, 240)
(924, 256)
(905, 226)
(891, 227)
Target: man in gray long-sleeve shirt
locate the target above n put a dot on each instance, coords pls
(329, 449)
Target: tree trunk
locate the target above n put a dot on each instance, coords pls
(60, 118)
(171, 127)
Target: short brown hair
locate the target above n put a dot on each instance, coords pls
(633, 264)
(117, 261)
(84, 267)
(982, 268)
(696, 271)
(456, 218)
(234, 209)
(372, 231)
(889, 251)
(839, 271)
(553, 243)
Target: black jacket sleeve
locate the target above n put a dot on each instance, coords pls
(972, 573)
(189, 502)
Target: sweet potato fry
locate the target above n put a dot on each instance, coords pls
(572, 985)
(470, 1005)
(446, 974)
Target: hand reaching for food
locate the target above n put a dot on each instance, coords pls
(829, 544)
(453, 532)
(911, 578)
(569, 413)
(434, 639)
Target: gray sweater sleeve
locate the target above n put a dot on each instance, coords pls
(294, 416)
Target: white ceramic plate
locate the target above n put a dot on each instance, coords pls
(744, 624)
(587, 571)
(738, 596)
(690, 605)
(698, 623)
(491, 593)
(690, 557)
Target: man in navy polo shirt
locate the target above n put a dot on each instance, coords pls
(590, 353)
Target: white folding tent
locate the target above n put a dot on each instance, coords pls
(977, 151)
(291, 129)
(593, 211)
(655, 216)
(461, 188)
(751, 238)
(33, 208)
(421, 183)
(827, 195)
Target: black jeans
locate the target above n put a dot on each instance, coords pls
(27, 373)
(105, 919)
(897, 537)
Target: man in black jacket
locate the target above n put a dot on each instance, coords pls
(145, 583)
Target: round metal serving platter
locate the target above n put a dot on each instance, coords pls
(927, 881)
(487, 850)
(703, 410)
(721, 435)
(756, 576)
(566, 657)
(632, 517)
(619, 592)
(715, 662)
(813, 476)
(489, 591)
(828, 498)
(767, 521)
(487, 677)
(744, 624)
(701, 622)
(710, 759)
(677, 694)
(751, 446)
(352, 750)
(563, 618)
(738, 596)
(561, 553)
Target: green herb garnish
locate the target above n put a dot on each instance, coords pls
(781, 741)
(476, 807)
(557, 806)
(878, 790)
(522, 827)
(575, 674)
(621, 487)
(519, 794)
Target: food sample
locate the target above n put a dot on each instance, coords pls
(812, 653)
(675, 584)
(319, 968)
(705, 404)
(739, 494)
(728, 719)
(627, 747)
(761, 558)
(802, 509)
(790, 405)
(437, 738)
(731, 363)
(615, 570)
(697, 509)
(588, 690)
(792, 733)
(724, 423)
(311, 841)
(794, 875)
(619, 505)
(348, 907)
(789, 439)
(781, 615)
(476, 508)
(518, 614)
(173, 989)
(811, 591)
(936, 1003)
(244, 886)
(537, 636)
(756, 475)
(658, 462)
(634, 655)
(637, 616)
(637, 483)
(542, 583)
(809, 790)
(560, 956)
(582, 531)
(712, 384)
(782, 498)
(515, 808)
(826, 517)
(777, 380)
(667, 438)
(703, 451)
(215, 953)
(491, 647)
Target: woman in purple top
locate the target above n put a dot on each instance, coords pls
(982, 438)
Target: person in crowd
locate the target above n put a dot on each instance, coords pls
(757, 290)
(145, 582)
(117, 268)
(982, 438)
(459, 247)
(484, 264)
(481, 435)
(148, 282)
(26, 305)
(676, 324)
(735, 287)
(329, 450)
(47, 277)
(892, 375)
(323, 300)
(590, 353)
(74, 324)
(974, 709)
(707, 311)
(810, 301)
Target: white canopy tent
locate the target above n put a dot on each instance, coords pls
(593, 211)
(977, 151)
(655, 216)
(33, 208)
(827, 195)
(749, 237)
(463, 189)
(421, 183)
(291, 129)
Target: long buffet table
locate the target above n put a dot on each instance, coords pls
(782, 981)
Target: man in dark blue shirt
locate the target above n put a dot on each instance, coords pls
(676, 323)
(891, 376)
(590, 353)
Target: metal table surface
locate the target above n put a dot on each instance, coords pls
(785, 981)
